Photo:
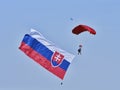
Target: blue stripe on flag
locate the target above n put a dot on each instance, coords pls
(43, 50)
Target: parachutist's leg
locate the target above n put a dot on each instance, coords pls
(79, 51)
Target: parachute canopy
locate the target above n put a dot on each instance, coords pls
(81, 28)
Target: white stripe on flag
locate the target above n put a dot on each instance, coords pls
(50, 45)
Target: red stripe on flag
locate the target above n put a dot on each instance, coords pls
(41, 60)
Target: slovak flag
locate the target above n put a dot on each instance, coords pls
(45, 53)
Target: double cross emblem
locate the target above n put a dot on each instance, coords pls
(57, 59)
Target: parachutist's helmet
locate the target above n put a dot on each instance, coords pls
(80, 45)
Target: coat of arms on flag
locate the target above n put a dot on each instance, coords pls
(57, 59)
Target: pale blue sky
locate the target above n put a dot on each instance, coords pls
(98, 68)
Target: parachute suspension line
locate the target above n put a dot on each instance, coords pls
(85, 39)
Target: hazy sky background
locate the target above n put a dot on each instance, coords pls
(98, 68)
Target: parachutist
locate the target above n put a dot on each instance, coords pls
(71, 19)
(61, 83)
(79, 50)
